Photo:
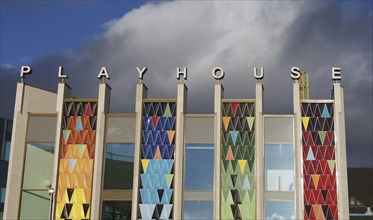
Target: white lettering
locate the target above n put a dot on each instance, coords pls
(295, 73)
(60, 72)
(103, 73)
(179, 72)
(25, 70)
(261, 76)
(141, 72)
(215, 71)
(336, 73)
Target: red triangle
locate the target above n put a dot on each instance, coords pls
(328, 184)
(92, 136)
(234, 108)
(332, 181)
(321, 184)
(72, 124)
(91, 150)
(305, 151)
(312, 199)
(333, 209)
(324, 167)
(319, 197)
(88, 112)
(330, 136)
(306, 181)
(307, 194)
(155, 121)
(229, 154)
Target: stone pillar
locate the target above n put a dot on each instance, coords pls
(340, 152)
(17, 153)
(299, 213)
(141, 93)
(103, 107)
(259, 152)
(180, 152)
(63, 91)
(219, 94)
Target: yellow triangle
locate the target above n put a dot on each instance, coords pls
(144, 163)
(242, 165)
(171, 135)
(226, 122)
(315, 179)
(305, 121)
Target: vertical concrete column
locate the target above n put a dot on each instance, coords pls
(259, 152)
(340, 152)
(17, 153)
(63, 91)
(299, 213)
(103, 107)
(141, 93)
(219, 94)
(180, 152)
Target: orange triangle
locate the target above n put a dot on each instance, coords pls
(315, 179)
(226, 122)
(229, 154)
(157, 155)
(171, 135)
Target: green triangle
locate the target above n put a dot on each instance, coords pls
(66, 134)
(81, 148)
(230, 168)
(245, 138)
(167, 112)
(225, 165)
(224, 181)
(234, 166)
(251, 195)
(226, 212)
(224, 151)
(225, 193)
(169, 178)
(250, 122)
(244, 210)
(246, 198)
(322, 136)
(331, 164)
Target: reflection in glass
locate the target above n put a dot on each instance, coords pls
(35, 201)
(119, 166)
(279, 167)
(197, 210)
(280, 210)
(116, 210)
(35, 204)
(38, 165)
(199, 167)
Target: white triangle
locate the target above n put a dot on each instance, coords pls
(310, 155)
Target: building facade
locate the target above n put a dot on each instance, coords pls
(71, 158)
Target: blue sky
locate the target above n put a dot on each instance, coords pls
(31, 29)
(122, 35)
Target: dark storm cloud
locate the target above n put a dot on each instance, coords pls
(237, 37)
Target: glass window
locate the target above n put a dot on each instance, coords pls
(119, 166)
(35, 201)
(116, 210)
(199, 167)
(121, 130)
(198, 210)
(6, 150)
(38, 165)
(278, 129)
(2, 194)
(199, 130)
(41, 129)
(35, 204)
(279, 167)
(280, 210)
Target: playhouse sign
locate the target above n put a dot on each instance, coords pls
(218, 73)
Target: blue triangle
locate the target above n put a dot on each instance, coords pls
(72, 164)
(163, 181)
(79, 126)
(145, 197)
(234, 135)
(147, 122)
(164, 122)
(246, 184)
(325, 112)
(156, 167)
(170, 151)
(170, 164)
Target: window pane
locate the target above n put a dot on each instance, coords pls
(41, 129)
(199, 171)
(279, 167)
(119, 166)
(38, 165)
(116, 210)
(35, 205)
(2, 194)
(280, 210)
(197, 210)
(278, 129)
(6, 150)
(199, 130)
(121, 130)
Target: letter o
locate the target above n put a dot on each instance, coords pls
(215, 71)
